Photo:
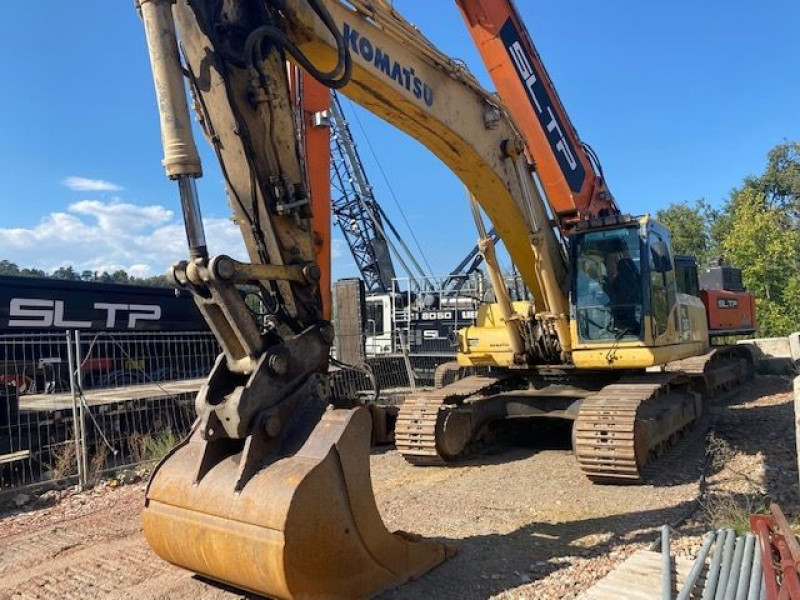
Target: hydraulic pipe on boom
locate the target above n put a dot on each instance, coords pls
(181, 160)
(486, 247)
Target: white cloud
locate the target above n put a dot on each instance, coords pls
(84, 184)
(105, 236)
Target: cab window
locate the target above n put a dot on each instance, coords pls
(608, 285)
(375, 315)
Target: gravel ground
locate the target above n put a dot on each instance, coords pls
(526, 522)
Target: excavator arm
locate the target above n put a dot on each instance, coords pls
(568, 169)
(271, 491)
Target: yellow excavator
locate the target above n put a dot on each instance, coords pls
(617, 338)
(271, 491)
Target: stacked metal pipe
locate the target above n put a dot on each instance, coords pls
(733, 573)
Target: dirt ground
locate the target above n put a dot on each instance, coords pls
(526, 522)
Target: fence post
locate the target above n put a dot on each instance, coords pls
(797, 416)
(81, 403)
(77, 413)
(78, 360)
(407, 360)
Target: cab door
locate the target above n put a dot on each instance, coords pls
(664, 321)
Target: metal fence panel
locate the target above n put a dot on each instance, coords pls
(132, 397)
(133, 394)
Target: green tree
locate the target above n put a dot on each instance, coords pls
(120, 276)
(69, 273)
(779, 185)
(65, 273)
(689, 228)
(761, 240)
(8, 268)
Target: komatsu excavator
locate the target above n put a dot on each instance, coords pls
(271, 491)
(617, 339)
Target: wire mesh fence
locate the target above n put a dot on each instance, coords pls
(132, 397)
(33, 443)
(124, 359)
(131, 393)
(394, 374)
(34, 363)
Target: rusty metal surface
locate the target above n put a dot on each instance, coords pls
(625, 424)
(783, 527)
(304, 526)
(419, 432)
(780, 555)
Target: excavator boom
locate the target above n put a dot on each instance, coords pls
(569, 171)
(626, 312)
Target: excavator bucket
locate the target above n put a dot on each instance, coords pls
(304, 526)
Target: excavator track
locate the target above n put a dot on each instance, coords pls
(446, 373)
(618, 431)
(623, 427)
(421, 416)
(626, 424)
(718, 370)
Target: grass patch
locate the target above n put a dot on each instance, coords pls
(97, 461)
(732, 510)
(729, 511)
(64, 461)
(151, 447)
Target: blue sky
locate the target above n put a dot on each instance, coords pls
(681, 100)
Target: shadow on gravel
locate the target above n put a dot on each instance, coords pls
(488, 565)
(30, 502)
(491, 564)
(236, 592)
(766, 429)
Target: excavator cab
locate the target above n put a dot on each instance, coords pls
(608, 290)
(626, 309)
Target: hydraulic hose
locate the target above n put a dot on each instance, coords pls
(336, 78)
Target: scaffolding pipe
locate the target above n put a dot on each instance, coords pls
(666, 565)
(697, 567)
(725, 567)
(746, 568)
(714, 570)
(736, 570)
(76, 412)
(756, 576)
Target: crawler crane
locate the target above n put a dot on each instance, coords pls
(271, 491)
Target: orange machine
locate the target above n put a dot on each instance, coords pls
(315, 99)
(568, 169)
(729, 313)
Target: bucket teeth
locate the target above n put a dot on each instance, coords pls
(305, 526)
